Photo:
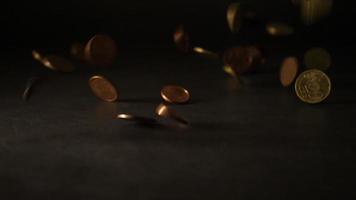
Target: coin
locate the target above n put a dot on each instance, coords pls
(181, 39)
(279, 29)
(77, 51)
(175, 94)
(233, 16)
(168, 113)
(313, 11)
(136, 119)
(205, 52)
(103, 88)
(312, 86)
(317, 58)
(58, 63)
(29, 86)
(101, 50)
(227, 69)
(288, 71)
(37, 56)
(238, 58)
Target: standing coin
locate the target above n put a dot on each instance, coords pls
(58, 63)
(175, 94)
(101, 50)
(317, 58)
(312, 86)
(103, 89)
(288, 71)
(181, 39)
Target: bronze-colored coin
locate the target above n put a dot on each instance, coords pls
(312, 86)
(175, 94)
(101, 50)
(103, 89)
(77, 51)
(234, 17)
(58, 63)
(168, 113)
(136, 119)
(279, 29)
(238, 58)
(37, 56)
(317, 58)
(313, 11)
(181, 39)
(29, 87)
(205, 52)
(288, 71)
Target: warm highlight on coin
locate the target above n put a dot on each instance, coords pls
(288, 71)
(58, 63)
(279, 29)
(234, 17)
(103, 88)
(181, 39)
(175, 94)
(312, 86)
(317, 58)
(238, 58)
(101, 50)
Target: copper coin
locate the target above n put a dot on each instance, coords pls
(58, 63)
(288, 71)
(317, 58)
(239, 59)
(175, 94)
(181, 39)
(77, 51)
(168, 113)
(137, 119)
(103, 88)
(101, 50)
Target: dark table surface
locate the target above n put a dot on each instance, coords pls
(257, 142)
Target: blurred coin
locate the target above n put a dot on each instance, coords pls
(175, 94)
(103, 88)
(136, 119)
(312, 86)
(288, 71)
(234, 17)
(238, 58)
(205, 52)
(168, 113)
(101, 50)
(77, 51)
(37, 56)
(29, 87)
(227, 69)
(181, 39)
(317, 58)
(279, 29)
(58, 63)
(313, 11)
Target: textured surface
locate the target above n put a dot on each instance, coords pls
(259, 142)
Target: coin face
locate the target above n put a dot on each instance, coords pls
(101, 50)
(175, 94)
(317, 58)
(58, 63)
(233, 16)
(181, 39)
(103, 89)
(238, 58)
(289, 70)
(313, 86)
(77, 51)
(279, 29)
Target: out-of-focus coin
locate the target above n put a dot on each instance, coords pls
(288, 71)
(101, 50)
(77, 51)
(227, 69)
(136, 119)
(234, 17)
(256, 54)
(37, 56)
(205, 52)
(103, 88)
(168, 113)
(312, 86)
(29, 87)
(175, 94)
(58, 63)
(279, 29)
(317, 58)
(181, 39)
(238, 58)
(313, 11)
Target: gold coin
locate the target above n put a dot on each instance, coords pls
(238, 58)
(312, 86)
(313, 11)
(137, 119)
(168, 113)
(181, 39)
(58, 63)
(317, 58)
(103, 88)
(101, 50)
(233, 16)
(175, 94)
(279, 29)
(288, 71)
(205, 52)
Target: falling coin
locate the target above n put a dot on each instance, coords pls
(101, 50)
(312, 86)
(103, 89)
(279, 29)
(181, 39)
(167, 113)
(175, 94)
(238, 58)
(205, 52)
(29, 86)
(233, 17)
(313, 11)
(136, 119)
(58, 63)
(317, 58)
(288, 71)
(37, 56)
